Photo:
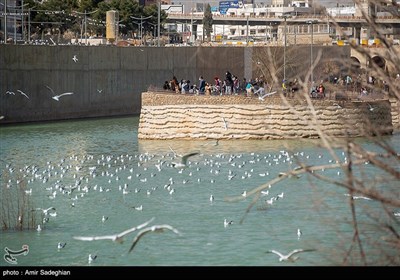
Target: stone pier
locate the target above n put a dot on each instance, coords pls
(177, 116)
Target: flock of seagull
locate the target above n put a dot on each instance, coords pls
(55, 96)
(76, 177)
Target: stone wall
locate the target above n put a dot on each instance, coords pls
(395, 112)
(108, 81)
(176, 116)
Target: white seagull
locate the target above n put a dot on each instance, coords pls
(357, 197)
(91, 258)
(265, 95)
(337, 106)
(23, 93)
(289, 257)
(61, 245)
(225, 123)
(226, 223)
(57, 97)
(75, 58)
(370, 107)
(211, 198)
(156, 228)
(298, 233)
(183, 162)
(116, 237)
(45, 211)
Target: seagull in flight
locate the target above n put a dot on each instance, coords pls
(298, 233)
(45, 211)
(10, 92)
(75, 58)
(183, 162)
(289, 257)
(23, 93)
(337, 106)
(226, 223)
(265, 95)
(61, 245)
(116, 237)
(155, 228)
(225, 123)
(370, 107)
(99, 90)
(91, 258)
(57, 97)
(357, 197)
(216, 143)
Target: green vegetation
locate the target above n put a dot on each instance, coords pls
(16, 206)
(208, 22)
(68, 16)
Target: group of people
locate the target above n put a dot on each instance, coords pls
(318, 91)
(228, 86)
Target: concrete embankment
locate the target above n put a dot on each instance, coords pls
(108, 81)
(175, 116)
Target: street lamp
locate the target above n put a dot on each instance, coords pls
(285, 17)
(141, 25)
(158, 23)
(311, 22)
(5, 21)
(17, 11)
(154, 30)
(85, 19)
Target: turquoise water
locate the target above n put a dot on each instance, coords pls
(109, 148)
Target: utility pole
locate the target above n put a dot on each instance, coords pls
(191, 21)
(247, 30)
(85, 29)
(85, 20)
(141, 26)
(29, 25)
(5, 21)
(285, 17)
(311, 22)
(22, 21)
(15, 26)
(159, 23)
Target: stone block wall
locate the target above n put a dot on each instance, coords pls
(176, 116)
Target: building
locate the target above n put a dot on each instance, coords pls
(12, 20)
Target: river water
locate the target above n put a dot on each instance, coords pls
(104, 157)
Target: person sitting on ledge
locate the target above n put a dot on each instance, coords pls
(166, 86)
(314, 92)
(208, 89)
(202, 85)
(363, 92)
(321, 91)
(260, 91)
(249, 89)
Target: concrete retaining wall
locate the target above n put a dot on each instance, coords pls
(175, 116)
(395, 103)
(120, 73)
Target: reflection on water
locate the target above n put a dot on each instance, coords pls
(98, 168)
